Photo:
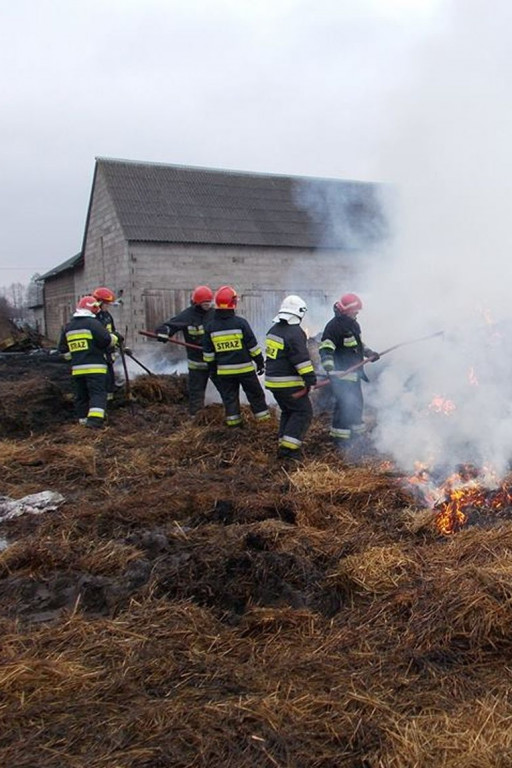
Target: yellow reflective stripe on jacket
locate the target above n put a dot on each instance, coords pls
(348, 377)
(80, 333)
(208, 357)
(280, 382)
(350, 341)
(255, 351)
(327, 344)
(305, 367)
(195, 330)
(194, 365)
(233, 370)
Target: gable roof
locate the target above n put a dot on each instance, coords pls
(74, 261)
(156, 202)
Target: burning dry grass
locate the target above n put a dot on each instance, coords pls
(193, 603)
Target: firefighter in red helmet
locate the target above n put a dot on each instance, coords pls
(340, 348)
(192, 322)
(232, 353)
(106, 298)
(85, 341)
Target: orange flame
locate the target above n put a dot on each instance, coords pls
(461, 493)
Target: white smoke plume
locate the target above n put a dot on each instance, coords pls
(448, 151)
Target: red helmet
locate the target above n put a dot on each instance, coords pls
(90, 303)
(103, 294)
(201, 295)
(226, 298)
(349, 303)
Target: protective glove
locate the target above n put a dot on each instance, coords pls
(371, 355)
(162, 333)
(127, 351)
(259, 362)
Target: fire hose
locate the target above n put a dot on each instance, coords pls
(152, 335)
(357, 366)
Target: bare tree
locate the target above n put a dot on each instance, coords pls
(15, 297)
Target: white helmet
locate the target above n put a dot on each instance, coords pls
(292, 310)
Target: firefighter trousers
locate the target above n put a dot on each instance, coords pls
(197, 382)
(296, 416)
(347, 418)
(91, 397)
(229, 388)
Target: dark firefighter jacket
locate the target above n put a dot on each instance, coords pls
(107, 321)
(287, 363)
(191, 322)
(86, 340)
(230, 345)
(341, 346)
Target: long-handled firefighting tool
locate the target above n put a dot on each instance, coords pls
(342, 374)
(132, 357)
(173, 341)
(127, 387)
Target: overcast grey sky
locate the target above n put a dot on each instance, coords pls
(280, 86)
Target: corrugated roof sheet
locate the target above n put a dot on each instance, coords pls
(183, 204)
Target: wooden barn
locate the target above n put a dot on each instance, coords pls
(154, 231)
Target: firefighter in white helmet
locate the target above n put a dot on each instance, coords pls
(340, 348)
(85, 341)
(288, 371)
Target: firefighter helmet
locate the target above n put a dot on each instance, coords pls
(104, 294)
(349, 304)
(90, 303)
(226, 298)
(201, 295)
(292, 309)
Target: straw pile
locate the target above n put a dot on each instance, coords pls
(195, 603)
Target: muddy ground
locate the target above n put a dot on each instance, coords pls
(194, 602)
